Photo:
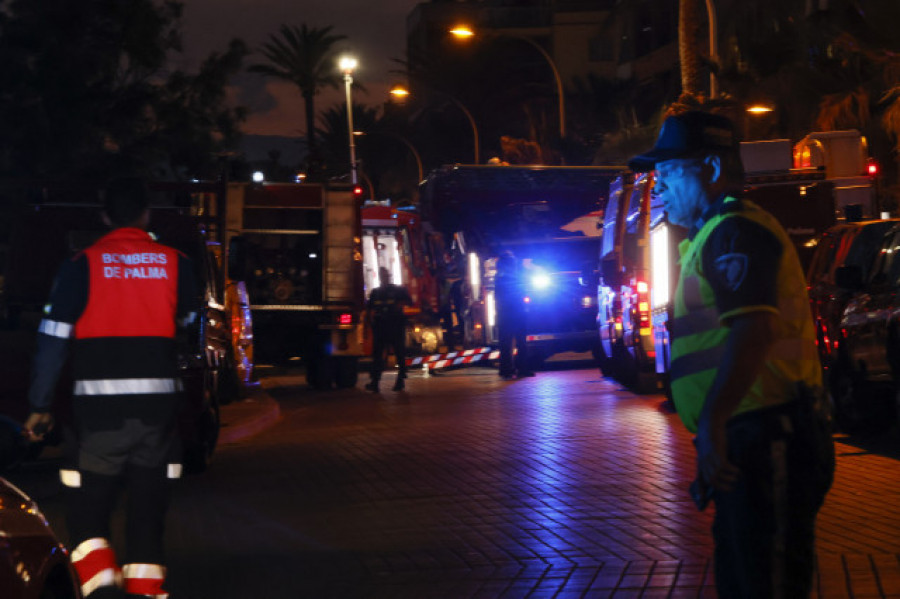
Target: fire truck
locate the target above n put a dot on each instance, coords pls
(625, 311)
(298, 248)
(791, 183)
(395, 238)
(548, 217)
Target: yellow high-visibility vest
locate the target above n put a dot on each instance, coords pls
(699, 333)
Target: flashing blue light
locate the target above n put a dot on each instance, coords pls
(541, 281)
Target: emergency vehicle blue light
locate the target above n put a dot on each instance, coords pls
(541, 281)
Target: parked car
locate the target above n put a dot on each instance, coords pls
(844, 244)
(33, 563)
(865, 373)
(215, 356)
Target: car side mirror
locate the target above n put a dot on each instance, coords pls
(849, 277)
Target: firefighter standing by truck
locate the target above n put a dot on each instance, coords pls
(120, 301)
(384, 312)
(744, 375)
(511, 318)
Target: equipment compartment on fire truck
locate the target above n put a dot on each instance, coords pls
(298, 248)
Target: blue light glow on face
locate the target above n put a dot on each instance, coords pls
(541, 281)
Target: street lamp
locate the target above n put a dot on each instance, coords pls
(401, 93)
(464, 32)
(347, 65)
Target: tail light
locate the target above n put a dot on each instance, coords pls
(345, 318)
(643, 304)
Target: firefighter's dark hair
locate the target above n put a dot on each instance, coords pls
(125, 199)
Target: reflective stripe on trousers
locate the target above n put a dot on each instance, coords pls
(145, 580)
(127, 386)
(72, 478)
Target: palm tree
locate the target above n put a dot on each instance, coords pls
(332, 134)
(304, 56)
(689, 50)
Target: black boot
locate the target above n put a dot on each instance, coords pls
(372, 386)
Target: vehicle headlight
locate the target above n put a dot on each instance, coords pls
(541, 281)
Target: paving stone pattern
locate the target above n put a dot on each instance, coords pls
(563, 485)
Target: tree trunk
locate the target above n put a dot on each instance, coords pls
(689, 46)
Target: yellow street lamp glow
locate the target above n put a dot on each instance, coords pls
(759, 109)
(347, 64)
(462, 32)
(399, 91)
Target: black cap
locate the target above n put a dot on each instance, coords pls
(685, 135)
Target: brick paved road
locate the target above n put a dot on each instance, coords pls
(562, 485)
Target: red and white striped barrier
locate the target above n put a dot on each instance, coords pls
(455, 358)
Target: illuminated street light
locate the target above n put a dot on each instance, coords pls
(401, 93)
(347, 65)
(464, 32)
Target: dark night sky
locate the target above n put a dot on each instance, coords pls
(375, 30)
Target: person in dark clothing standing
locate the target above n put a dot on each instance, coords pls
(116, 307)
(511, 317)
(384, 312)
(745, 374)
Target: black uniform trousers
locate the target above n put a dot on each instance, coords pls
(510, 330)
(135, 455)
(384, 336)
(764, 529)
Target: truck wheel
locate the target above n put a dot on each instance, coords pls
(536, 360)
(602, 360)
(848, 398)
(646, 383)
(346, 372)
(320, 372)
(229, 388)
(623, 366)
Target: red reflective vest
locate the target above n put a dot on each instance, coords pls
(133, 286)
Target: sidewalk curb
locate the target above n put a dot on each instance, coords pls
(249, 416)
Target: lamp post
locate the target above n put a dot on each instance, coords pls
(401, 93)
(347, 65)
(463, 32)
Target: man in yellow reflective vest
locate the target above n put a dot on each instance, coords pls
(745, 375)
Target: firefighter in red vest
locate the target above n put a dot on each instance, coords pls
(117, 305)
